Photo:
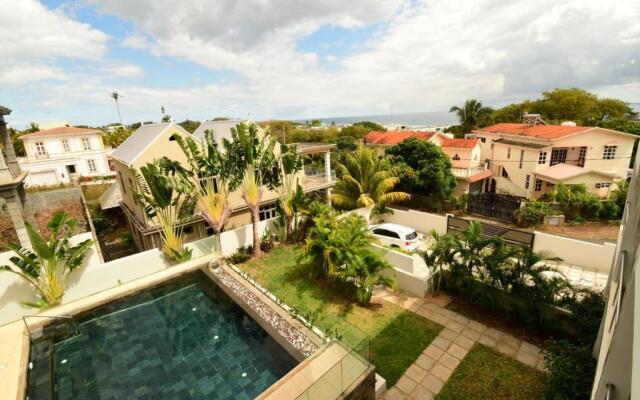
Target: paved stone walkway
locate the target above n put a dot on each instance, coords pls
(427, 375)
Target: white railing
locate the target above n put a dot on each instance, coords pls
(318, 179)
(467, 172)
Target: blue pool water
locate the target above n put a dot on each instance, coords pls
(183, 340)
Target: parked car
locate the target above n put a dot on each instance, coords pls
(395, 235)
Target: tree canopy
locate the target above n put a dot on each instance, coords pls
(423, 168)
(472, 115)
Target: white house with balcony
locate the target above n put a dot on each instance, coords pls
(64, 155)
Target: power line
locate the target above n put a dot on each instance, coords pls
(536, 161)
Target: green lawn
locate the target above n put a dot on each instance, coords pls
(396, 337)
(93, 192)
(487, 374)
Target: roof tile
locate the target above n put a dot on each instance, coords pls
(549, 132)
(394, 137)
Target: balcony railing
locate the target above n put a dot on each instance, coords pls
(467, 172)
(318, 179)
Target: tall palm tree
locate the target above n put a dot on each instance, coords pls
(366, 180)
(472, 114)
(167, 201)
(251, 164)
(210, 185)
(289, 191)
(116, 97)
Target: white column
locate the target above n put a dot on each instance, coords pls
(327, 166)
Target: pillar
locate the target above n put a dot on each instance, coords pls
(7, 145)
(327, 166)
(14, 206)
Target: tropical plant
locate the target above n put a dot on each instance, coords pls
(339, 247)
(366, 180)
(48, 265)
(210, 185)
(167, 201)
(251, 165)
(289, 191)
(533, 213)
(472, 115)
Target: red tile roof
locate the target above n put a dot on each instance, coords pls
(394, 137)
(549, 132)
(460, 143)
(60, 131)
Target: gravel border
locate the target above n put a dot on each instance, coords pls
(296, 338)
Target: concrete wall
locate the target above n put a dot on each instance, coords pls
(92, 277)
(232, 240)
(411, 273)
(576, 252)
(420, 221)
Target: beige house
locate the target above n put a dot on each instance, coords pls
(617, 348)
(467, 164)
(150, 142)
(529, 159)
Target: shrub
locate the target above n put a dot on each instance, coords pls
(268, 241)
(533, 213)
(243, 254)
(575, 201)
(610, 210)
(570, 364)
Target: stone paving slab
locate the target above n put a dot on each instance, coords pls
(425, 378)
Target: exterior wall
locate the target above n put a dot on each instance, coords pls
(595, 142)
(618, 345)
(468, 157)
(589, 180)
(462, 187)
(576, 252)
(511, 165)
(420, 221)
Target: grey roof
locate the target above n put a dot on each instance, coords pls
(139, 140)
(221, 129)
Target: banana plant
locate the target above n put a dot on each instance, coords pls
(167, 201)
(48, 265)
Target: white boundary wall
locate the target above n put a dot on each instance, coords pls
(577, 252)
(92, 277)
(420, 221)
(574, 252)
(232, 240)
(411, 273)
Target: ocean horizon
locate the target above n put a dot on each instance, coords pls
(430, 118)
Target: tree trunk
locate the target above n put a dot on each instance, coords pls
(255, 219)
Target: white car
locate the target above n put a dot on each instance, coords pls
(395, 235)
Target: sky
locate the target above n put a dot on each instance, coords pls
(292, 59)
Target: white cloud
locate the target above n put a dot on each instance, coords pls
(123, 69)
(19, 74)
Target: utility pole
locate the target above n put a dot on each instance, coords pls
(116, 96)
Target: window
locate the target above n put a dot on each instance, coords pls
(542, 157)
(521, 159)
(92, 165)
(412, 235)
(386, 232)
(86, 144)
(582, 156)
(483, 140)
(456, 157)
(609, 152)
(65, 145)
(267, 212)
(187, 230)
(558, 156)
(527, 181)
(40, 150)
(538, 185)
(509, 153)
(603, 185)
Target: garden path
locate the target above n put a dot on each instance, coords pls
(424, 379)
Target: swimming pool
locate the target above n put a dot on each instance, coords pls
(185, 339)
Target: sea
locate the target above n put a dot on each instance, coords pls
(421, 119)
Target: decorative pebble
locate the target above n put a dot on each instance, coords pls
(216, 337)
(297, 339)
(63, 361)
(193, 309)
(244, 374)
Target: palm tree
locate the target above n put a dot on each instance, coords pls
(366, 180)
(116, 96)
(368, 273)
(289, 191)
(210, 186)
(251, 164)
(471, 115)
(167, 200)
(48, 266)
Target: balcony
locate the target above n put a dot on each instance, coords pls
(318, 180)
(467, 172)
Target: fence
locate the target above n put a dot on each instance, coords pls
(510, 235)
(493, 205)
